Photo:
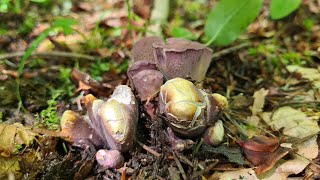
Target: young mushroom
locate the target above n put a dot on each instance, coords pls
(177, 143)
(143, 50)
(116, 119)
(145, 78)
(109, 158)
(78, 131)
(213, 135)
(188, 110)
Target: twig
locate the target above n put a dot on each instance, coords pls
(230, 49)
(225, 169)
(51, 53)
(123, 174)
(160, 178)
(184, 176)
(185, 160)
(300, 102)
(208, 168)
(149, 150)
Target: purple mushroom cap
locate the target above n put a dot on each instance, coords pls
(143, 50)
(145, 78)
(182, 58)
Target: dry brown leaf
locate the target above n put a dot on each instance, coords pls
(13, 136)
(8, 165)
(294, 122)
(247, 174)
(259, 99)
(86, 82)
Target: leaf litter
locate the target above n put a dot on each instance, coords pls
(286, 134)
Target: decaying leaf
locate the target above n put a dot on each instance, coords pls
(312, 74)
(232, 153)
(13, 136)
(307, 151)
(247, 174)
(309, 148)
(294, 166)
(261, 144)
(8, 165)
(294, 122)
(297, 124)
(259, 99)
(86, 82)
(263, 152)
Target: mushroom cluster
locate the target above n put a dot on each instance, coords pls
(158, 78)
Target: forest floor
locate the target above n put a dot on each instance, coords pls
(270, 76)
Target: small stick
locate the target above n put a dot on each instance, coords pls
(160, 178)
(184, 176)
(123, 174)
(225, 169)
(149, 150)
(230, 49)
(50, 53)
(185, 160)
(170, 157)
(208, 168)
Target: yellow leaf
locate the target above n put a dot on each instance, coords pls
(12, 136)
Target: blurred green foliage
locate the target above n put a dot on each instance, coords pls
(48, 116)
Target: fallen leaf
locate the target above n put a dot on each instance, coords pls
(309, 148)
(12, 136)
(259, 99)
(294, 122)
(294, 166)
(260, 143)
(247, 174)
(8, 165)
(263, 152)
(311, 74)
(232, 153)
(86, 82)
(272, 160)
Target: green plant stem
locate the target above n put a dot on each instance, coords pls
(129, 17)
(50, 54)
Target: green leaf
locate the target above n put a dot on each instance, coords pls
(181, 32)
(229, 18)
(232, 153)
(282, 8)
(65, 24)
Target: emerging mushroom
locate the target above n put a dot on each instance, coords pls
(116, 119)
(213, 135)
(145, 78)
(143, 50)
(78, 131)
(188, 110)
(109, 158)
(177, 143)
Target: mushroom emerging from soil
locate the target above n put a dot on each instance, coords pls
(145, 78)
(112, 123)
(213, 135)
(188, 110)
(116, 119)
(182, 58)
(109, 158)
(177, 143)
(78, 131)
